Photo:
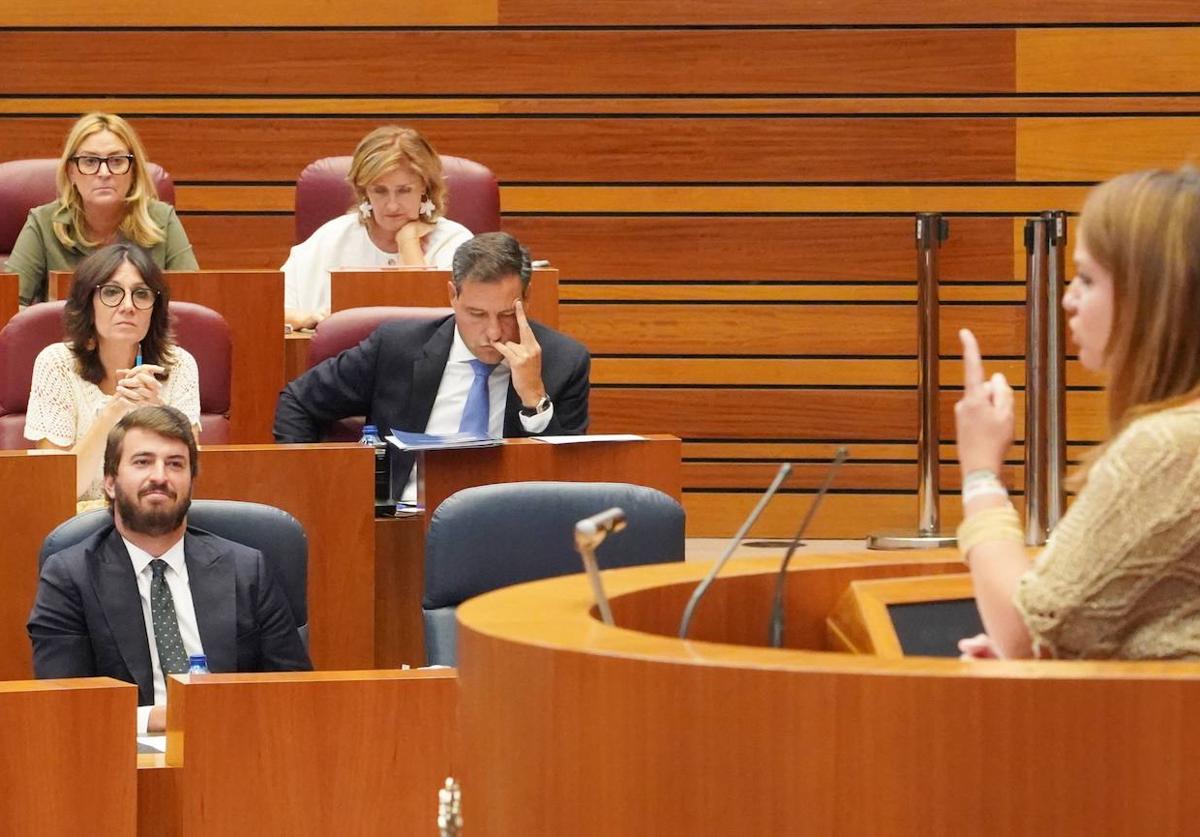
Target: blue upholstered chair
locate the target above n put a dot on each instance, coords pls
(494, 536)
(273, 532)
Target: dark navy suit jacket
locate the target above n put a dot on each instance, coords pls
(87, 619)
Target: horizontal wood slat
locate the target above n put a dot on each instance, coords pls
(822, 12)
(521, 62)
(886, 476)
(804, 372)
(400, 106)
(1109, 60)
(831, 414)
(684, 291)
(824, 451)
(259, 13)
(795, 249)
(784, 329)
(572, 150)
(1097, 148)
(719, 514)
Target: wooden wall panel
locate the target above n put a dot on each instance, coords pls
(574, 150)
(726, 188)
(1097, 148)
(1125, 60)
(614, 62)
(822, 12)
(784, 329)
(792, 249)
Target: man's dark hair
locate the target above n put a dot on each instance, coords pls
(165, 421)
(490, 257)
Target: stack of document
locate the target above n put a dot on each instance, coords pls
(433, 441)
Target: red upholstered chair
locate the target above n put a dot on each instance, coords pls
(323, 194)
(200, 330)
(342, 330)
(25, 184)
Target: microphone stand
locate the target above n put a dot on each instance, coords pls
(775, 633)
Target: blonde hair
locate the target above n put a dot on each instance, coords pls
(392, 147)
(136, 225)
(1144, 228)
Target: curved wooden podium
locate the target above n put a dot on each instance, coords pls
(571, 727)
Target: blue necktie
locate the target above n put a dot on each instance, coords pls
(475, 414)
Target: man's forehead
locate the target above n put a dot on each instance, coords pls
(139, 441)
(504, 289)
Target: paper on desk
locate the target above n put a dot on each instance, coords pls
(152, 743)
(599, 437)
(448, 441)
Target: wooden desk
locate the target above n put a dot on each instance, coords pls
(301, 754)
(67, 756)
(419, 287)
(39, 493)
(629, 730)
(251, 301)
(300, 479)
(400, 542)
(10, 295)
(329, 488)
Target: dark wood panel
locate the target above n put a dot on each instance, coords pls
(568, 149)
(816, 414)
(514, 62)
(784, 329)
(809, 12)
(240, 242)
(756, 414)
(258, 13)
(761, 249)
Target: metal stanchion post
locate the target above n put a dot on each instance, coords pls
(1056, 368)
(1036, 379)
(932, 230)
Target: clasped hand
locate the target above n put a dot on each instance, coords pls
(984, 414)
(139, 386)
(524, 360)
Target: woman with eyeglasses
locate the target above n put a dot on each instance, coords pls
(118, 355)
(105, 195)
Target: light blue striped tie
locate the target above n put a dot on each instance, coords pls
(475, 413)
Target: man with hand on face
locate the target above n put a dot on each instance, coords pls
(136, 599)
(485, 370)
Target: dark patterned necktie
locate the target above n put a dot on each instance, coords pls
(172, 658)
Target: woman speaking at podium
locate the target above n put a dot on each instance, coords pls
(1120, 575)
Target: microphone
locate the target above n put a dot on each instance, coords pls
(611, 520)
(775, 633)
(689, 611)
(589, 534)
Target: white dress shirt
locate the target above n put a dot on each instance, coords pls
(176, 575)
(451, 400)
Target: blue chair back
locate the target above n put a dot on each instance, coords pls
(493, 536)
(273, 532)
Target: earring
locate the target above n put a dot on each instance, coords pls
(364, 211)
(426, 209)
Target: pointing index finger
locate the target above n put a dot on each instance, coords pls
(972, 361)
(523, 321)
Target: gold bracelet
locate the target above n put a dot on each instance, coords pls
(995, 524)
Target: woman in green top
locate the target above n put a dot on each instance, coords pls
(105, 195)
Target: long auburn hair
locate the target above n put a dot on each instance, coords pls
(79, 315)
(136, 225)
(1144, 228)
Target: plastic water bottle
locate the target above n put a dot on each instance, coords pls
(383, 470)
(197, 664)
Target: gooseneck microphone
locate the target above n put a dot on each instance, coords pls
(686, 623)
(589, 534)
(775, 632)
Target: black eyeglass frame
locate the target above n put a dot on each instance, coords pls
(99, 292)
(107, 162)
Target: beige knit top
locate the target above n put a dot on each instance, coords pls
(1120, 575)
